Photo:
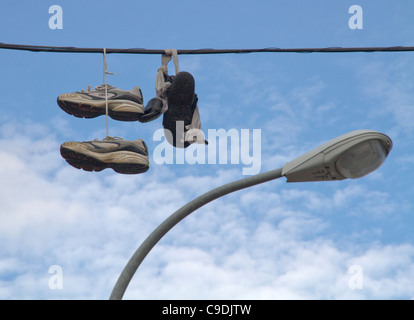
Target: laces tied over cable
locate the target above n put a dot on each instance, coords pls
(161, 85)
(106, 87)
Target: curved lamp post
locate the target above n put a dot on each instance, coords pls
(352, 155)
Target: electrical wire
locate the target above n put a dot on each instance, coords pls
(38, 48)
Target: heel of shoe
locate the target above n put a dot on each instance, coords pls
(152, 110)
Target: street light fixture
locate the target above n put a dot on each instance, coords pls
(352, 155)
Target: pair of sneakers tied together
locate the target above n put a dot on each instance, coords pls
(175, 99)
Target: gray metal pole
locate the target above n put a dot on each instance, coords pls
(139, 255)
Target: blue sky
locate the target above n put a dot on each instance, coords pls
(272, 241)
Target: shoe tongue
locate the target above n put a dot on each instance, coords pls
(137, 91)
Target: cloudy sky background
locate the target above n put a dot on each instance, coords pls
(272, 241)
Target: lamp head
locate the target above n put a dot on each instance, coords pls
(352, 155)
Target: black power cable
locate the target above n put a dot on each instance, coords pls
(37, 48)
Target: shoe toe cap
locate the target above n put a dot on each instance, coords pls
(68, 96)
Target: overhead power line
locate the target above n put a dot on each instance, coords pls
(37, 48)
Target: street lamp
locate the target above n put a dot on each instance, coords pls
(352, 155)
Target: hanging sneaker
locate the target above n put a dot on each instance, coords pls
(122, 105)
(152, 110)
(128, 157)
(181, 120)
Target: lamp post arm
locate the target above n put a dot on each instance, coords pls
(139, 255)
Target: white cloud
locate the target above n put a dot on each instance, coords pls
(389, 88)
(257, 243)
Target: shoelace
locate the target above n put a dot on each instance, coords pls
(161, 85)
(108, 138)
(100, 87)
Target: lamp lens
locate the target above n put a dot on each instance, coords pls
(361, 159)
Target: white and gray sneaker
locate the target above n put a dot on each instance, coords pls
(127, 157)
(122, 105)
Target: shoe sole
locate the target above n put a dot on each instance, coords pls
(180, 99)
(125, 162)
(122, 110)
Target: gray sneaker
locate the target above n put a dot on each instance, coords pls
(122, 105)
(128, 157)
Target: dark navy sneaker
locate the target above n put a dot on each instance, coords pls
(182, 111)
(122, 105)
(152, 110)
(127, 157)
